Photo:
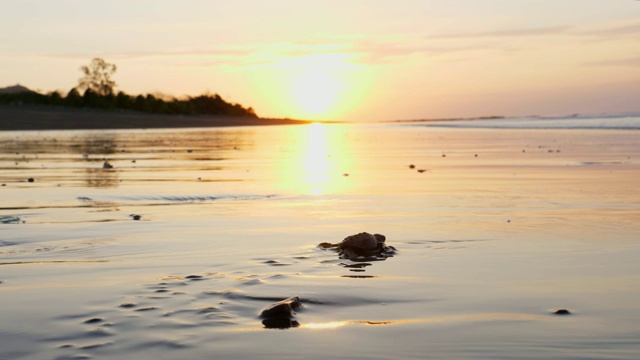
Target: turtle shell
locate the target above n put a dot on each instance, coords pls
(281, 309)
(360, 242)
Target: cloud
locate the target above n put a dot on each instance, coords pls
(506, 33)
(609, 31)
(145, 54)
(379, 50)
(628, 62)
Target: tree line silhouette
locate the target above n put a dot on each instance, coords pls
(95, 90)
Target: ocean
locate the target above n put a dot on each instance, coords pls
(164, 244)
(601, 122)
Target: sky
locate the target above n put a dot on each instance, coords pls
(356, 60)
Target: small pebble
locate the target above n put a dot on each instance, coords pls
(93, 321)
(562, 312)
(149, 308)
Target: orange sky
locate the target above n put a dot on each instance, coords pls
(343, 60)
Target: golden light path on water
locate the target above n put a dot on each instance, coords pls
(453, 318)
(316, 161)
(335, 325)
(320, 163)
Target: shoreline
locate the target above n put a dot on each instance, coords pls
(36, 117)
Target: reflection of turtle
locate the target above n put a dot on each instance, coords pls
(362, 247)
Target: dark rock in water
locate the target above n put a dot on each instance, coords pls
(562, 312)
(362, 247)
(282, 309)
(136, 216)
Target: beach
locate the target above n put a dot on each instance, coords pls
(174, 250)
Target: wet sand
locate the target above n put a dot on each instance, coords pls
(500, 229)
(30, 117)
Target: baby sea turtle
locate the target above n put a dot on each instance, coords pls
(281, 309)
(279, 315)
(362, 247)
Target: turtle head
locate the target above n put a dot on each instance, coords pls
(380, 238)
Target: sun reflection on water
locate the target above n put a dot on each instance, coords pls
(319, 163)
(325, 326)
(316, 159)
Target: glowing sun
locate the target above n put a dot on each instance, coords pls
(316, 92)
(322, 85)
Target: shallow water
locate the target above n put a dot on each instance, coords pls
(499, 229)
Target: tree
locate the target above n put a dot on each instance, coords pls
(55, 98)
(97, 77)
(73, 98)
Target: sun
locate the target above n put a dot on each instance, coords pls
(322, 86)
(319, 86)
(316, 92)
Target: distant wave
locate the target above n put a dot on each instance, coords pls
(602, 122)
(181, 199)
(200, 198)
